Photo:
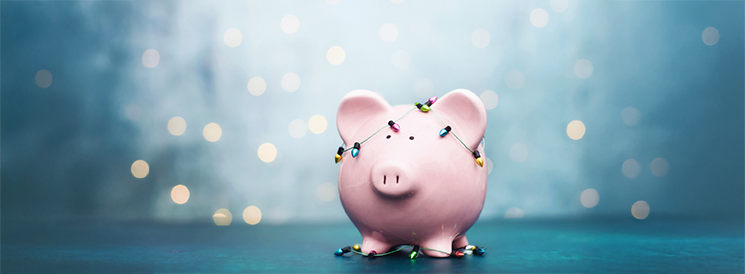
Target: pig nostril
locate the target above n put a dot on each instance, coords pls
(411, 137)
(388, 137)
(383, 179)
(397, 179)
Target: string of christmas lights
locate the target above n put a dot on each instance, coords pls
(457, 253)
(393, 124)
(356, 148)
(446, 130)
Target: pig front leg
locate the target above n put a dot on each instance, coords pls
(443, 244)
(370, 243)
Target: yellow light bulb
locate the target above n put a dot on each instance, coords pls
(480, 161)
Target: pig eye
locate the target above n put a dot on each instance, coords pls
(388, 137)
(411, 137)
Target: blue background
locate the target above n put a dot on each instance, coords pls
(663, 85)
(67, 149)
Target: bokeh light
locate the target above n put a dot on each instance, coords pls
(43, 78)
(590, 198)
(489, 166)
(710, 36)
(631, 168)
(659, 167)
(233, 37)
(401, 59)
(317, 124)
(576, 130)
(631, 116)
(514, 79)
(180, 194)
(640, 210)
(388, 32)
(518, 153)
(559, 6)
(490, 99)
(480, 38)
(177, 126)
(513, 213)
(256, 86)
(583, 68)
(539, 17)
(252, 215)
(290, 82)
(222, 217)
(212, 132)
(290, 24)
(326, 192)
(140, 169)
(267, 152)
(297, 128)
(424, 87)
(150, 58)
(336, 55)
(419, 27)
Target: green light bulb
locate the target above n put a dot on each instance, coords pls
(414, 252)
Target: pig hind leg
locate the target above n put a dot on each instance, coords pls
(442, 244)
(460, 242)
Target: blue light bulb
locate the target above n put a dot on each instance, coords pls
(445, 131)
(356, 150)
(479, 251)
(339, 252)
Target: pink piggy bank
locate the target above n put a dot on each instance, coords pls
(410, 184)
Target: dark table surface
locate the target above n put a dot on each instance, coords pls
(590, 245)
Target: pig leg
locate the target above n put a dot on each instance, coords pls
(460, 242)
(369, 243)
(442, 244)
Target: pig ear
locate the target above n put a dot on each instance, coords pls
(466, 112)
(355, 109)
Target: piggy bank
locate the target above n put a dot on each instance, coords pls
(405, 182)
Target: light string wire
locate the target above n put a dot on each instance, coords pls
(483, 139)
(456, 136)
(382, 254)
(432, 249)
(368, 138)
(399, 249)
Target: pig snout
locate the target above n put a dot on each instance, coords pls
(393, 179)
